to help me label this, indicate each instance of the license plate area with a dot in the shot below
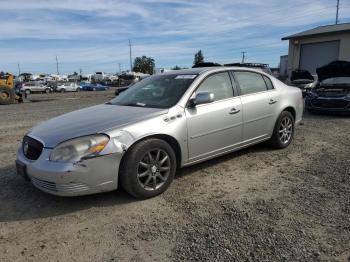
(21, 169)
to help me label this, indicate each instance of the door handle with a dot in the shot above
(234, 111)
(272, 102)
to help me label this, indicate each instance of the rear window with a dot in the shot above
(250, 82)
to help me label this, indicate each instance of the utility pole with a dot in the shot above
(120, 67)
(57, 66)
(80, 71)
(243, 56)
(130, 55)
(336, 18)
(19, 69)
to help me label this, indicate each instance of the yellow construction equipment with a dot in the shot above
(7, 90)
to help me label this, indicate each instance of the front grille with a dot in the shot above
(330, 103)
(31, 148)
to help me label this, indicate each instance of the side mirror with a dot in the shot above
(201, 98)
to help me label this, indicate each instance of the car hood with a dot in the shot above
(91, 120)
(333, 70)
(301, 75)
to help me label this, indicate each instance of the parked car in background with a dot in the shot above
(332, 92)
(303, 80)
(95, 87)
(167, 121)
(54, 83)
(68, 87)
(257, 66)
(35, 87)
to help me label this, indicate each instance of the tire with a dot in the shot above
(47, 91)
(78, 89)
(7, 95)
(27, 91)
(283, 131)
(62, 90)
(94, 89)
(138, 172)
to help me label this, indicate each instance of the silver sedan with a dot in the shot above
(140, 138)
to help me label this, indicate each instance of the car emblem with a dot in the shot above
(25, 147)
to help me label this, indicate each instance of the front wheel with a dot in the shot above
(148, 168)
(284, 131)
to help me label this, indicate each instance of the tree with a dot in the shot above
(144, 65)
(178, 68)
(198, 58)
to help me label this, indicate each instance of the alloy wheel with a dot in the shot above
(285, 130)
(153, 169)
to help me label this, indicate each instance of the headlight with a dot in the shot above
(79, 148)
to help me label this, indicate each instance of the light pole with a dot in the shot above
(337, 16)
(130, 55)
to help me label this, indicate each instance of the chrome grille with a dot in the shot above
(70, 187)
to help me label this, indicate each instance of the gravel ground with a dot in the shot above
(257, 204)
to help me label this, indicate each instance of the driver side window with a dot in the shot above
(218, 84)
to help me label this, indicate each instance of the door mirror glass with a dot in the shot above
(202, 98)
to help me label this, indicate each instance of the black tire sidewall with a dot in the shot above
(128, 171)
(275, 139)
(10, 93)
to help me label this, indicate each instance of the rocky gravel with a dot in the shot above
(258, 204)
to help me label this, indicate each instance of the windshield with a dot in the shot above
(160, 91)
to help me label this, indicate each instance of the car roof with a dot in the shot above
(201, 70)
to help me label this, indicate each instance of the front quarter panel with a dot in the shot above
(172, 124)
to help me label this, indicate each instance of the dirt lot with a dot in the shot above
(258, 204)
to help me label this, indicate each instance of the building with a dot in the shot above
(316, 47)
(283, 66)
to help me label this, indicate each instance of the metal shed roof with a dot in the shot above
(321, 30)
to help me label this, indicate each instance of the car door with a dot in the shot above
(36, 87)
(214, 127)
(259, 100)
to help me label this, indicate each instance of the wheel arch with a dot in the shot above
(175, 145)
(291, 110)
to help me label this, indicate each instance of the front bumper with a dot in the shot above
(90, 176)
(328, 104)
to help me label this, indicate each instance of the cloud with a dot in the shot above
(95, 33)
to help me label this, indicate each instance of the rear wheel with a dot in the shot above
(284, 131)
(7, 95)
(62, 90)
(27, 91)
(47, 90)
(148, 168)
